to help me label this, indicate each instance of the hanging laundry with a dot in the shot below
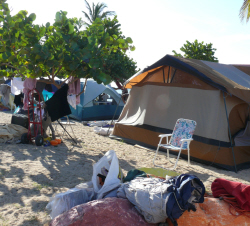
(29, 84)
(58, 105)
(72, 100)
(5, 92)
(18, 100)
(75, 88)
(16, 86)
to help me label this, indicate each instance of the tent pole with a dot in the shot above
(168, 73)
(115, 113)
(229, 132)
(173, 76)
(163, 75)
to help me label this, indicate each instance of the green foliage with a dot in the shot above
(61, 49)
(118, 65)
(197, 50)
(97, 11)
(245, 10)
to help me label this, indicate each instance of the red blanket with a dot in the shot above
(241, 192)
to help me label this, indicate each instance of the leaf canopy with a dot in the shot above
(60, 49)
(197, 50)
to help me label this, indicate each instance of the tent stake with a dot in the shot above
(229, 132)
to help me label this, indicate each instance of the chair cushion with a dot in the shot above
(184, 129)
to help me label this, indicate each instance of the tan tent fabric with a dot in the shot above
(220, 156)
(11, 132)
(232, 87)
(161, 106)
(216, 96)
(238, 117)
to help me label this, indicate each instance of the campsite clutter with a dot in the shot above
(104, 127)
(156, 198)
(151, 195)
(37, 107)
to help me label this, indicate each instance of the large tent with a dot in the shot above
(89, 109)
(216, 96)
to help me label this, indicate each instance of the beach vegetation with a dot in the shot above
(197, 50)
(62, 49)
(245, 10)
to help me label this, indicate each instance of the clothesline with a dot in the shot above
(19, 87)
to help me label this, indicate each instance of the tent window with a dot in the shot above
(173, 75)
(182, 77)
(156, 76)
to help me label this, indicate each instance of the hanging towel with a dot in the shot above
(72, 100)
(29, 84)
(75, 88)
(16, 86)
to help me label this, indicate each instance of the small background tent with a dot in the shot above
(216, 96)
(89, 109)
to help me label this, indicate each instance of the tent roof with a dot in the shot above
(233, 79)
(93, 89)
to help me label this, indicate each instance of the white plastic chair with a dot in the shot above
(180, 139)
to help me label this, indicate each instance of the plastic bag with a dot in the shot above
(103, 131)
(65, 201)
(108, 166)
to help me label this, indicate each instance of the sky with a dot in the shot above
(160, 26)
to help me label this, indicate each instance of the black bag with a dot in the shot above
(21, 120)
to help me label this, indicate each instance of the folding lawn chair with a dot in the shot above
(180, 139)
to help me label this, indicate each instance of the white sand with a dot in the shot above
(30, 175)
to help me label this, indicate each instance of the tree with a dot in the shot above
(61, 49)
(97, 11)
(118, 65)
(197, 50)
(245, 10)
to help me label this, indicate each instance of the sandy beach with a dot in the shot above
(30, 175)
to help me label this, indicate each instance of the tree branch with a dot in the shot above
(83, 88)
(72, 81)
(59, 69)
(65, 81)
(51, 82)
(7, 64)
(53, 74)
